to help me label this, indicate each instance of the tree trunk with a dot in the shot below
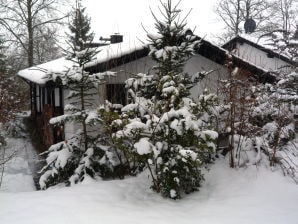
(30, 53)
(84, 119)
(237, 18)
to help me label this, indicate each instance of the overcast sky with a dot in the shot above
(126, 16)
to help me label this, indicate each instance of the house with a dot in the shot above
(260, 52)
(48, 98)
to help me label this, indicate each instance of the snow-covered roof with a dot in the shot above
(38, 74)
(219, 54)
(267, 42)
(264, 43)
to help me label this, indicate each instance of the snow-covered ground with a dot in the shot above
(17, 174)
(251, 195)
(247, 195)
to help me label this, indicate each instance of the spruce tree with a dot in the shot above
(163, 127)
(80, 28)
(178, 133)
(75, 158)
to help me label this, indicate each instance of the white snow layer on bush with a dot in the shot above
(92, 117)
(212, 134)
(141, 105)
(132, 127)
(188, 153)
(59, 157)
(143, 146)
(59, 119)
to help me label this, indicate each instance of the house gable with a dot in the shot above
(252, 50)
(224, 57)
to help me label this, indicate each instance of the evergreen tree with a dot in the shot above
(79, 27)
(162, 128)
(72, 160)
(10, 94)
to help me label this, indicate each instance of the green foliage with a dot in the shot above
(162, 128)
(119, 157)
(179, 172)
(80, 27)
(78, 157)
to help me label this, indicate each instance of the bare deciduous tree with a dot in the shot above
(285, 13)
(234, 12)
(23, 18)
(46, 47)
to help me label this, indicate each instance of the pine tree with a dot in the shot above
(164, 129)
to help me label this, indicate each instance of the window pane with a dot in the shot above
(57, 97)
(116, 93)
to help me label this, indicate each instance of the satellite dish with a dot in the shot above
(188, 32)
(250, 26)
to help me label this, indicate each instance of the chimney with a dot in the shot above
(114, 38)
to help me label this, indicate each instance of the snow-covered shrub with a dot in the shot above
(162, 128)
(275, 114)
(16, 127)
(238, 104)
(118, 159)
(69, 163)
(261, 122)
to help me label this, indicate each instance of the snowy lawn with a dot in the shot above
(252, 195)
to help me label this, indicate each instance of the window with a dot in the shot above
(38, 99)
(45, 96)
(57, 97)
(116, 94)
(270, 55)
(49, 96)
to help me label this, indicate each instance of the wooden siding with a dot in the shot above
(50, 106)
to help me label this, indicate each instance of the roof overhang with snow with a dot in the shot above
(109, 56)
(114, 55)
